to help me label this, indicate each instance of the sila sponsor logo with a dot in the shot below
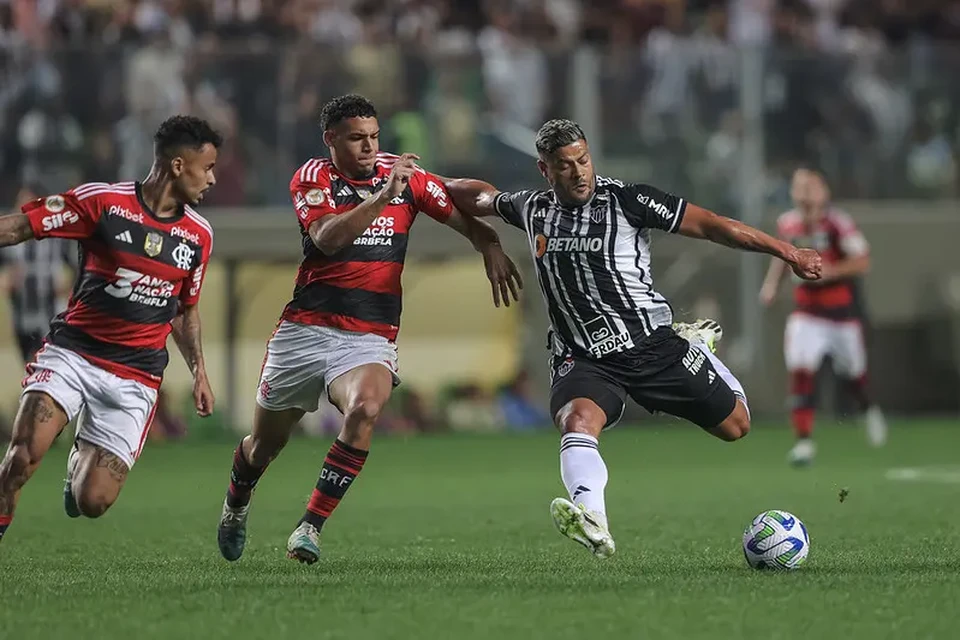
(582, 244)
(380, 232)
(59, 220)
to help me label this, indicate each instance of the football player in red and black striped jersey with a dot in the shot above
(337, 334)
(144, 251)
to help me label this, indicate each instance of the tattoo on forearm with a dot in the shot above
(186, 333)
(109, 461)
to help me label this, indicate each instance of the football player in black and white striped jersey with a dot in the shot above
(612, 333)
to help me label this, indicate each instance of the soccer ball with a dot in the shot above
(776, 540)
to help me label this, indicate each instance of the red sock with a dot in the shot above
(4, 523)
(340, 468)
(802, 422)
(860, 391)
(802, 394)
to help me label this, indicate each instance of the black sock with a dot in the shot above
(340, 468)
(243, 479)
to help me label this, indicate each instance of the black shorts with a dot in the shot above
(663, 373)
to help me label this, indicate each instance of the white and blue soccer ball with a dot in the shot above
(776, 540)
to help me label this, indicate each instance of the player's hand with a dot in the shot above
(502, 273)
(400, 175)
(807, 264)
(203, 395)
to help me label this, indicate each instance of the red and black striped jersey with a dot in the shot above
(136, 272)
(358, 288)
(836, 237)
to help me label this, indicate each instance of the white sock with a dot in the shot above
(725, 374)
(583, 472)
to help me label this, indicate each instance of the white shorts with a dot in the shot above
(809, 339)
(114, 413)
(303, 360)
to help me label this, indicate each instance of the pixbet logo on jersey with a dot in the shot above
(125, 213)
(380, 232)
(59, 220)
(584, 244)
(186, 234)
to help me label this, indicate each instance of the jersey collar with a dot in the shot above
(181, 209)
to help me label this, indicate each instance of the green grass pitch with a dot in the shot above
(450, 537)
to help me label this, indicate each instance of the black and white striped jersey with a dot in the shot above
(593, 261)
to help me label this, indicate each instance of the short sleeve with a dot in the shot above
(190, 294)
(510, 206)
(851, 239)
(312, 198)
(648, 207)
(72, 215)
(431, 197)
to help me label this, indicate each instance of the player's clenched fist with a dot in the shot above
(400, 175)
(807, 264)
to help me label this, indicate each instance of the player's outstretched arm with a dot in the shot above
(14, 229)
(473, 197)
(333, 233)
(185, 329)
(701, 223)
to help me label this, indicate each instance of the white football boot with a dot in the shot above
(802, 453)
(304, 543)
(707, 331)
(585, 527)
(876, 426)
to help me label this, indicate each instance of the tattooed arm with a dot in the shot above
(186, 333)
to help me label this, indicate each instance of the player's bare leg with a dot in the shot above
(360, 395)
(96, 477)
(705, 334)
(271, 431)
(39, 420)
(583, 518)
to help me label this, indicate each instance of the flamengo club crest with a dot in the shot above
(183, 256)
(153, 244)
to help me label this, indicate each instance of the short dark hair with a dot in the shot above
(558, 133)
(183, 131)
(348, 106)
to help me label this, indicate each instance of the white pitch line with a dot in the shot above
(941, 474)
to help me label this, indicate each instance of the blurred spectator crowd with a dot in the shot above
(865, 89)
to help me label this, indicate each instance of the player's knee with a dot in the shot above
(575, 418)
(94, 502)
(363, 411)
(736, 426)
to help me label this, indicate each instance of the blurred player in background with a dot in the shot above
(144, 252)
(826, 320)
(36, 277)
(337, 334)
(612, 333)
